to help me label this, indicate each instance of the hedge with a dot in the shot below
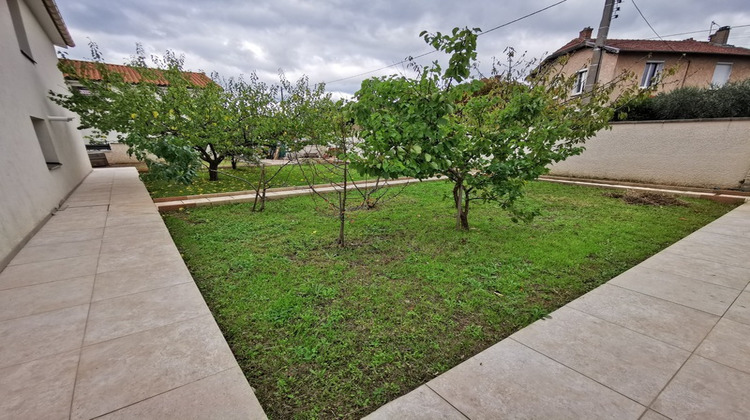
(729, 101)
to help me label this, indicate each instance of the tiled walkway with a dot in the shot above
(669, 338)
(99, 317)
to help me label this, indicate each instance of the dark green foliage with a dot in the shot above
(730, 101)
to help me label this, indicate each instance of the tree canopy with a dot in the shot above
(166, 119)
(489, 136)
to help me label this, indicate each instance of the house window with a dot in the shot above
(721, 74)
(23, 40)
(45, 143)
(580, 84)
(651, 73)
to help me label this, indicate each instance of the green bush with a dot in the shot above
(728, 101)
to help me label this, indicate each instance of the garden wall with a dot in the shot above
(697, 153)
(119, 155)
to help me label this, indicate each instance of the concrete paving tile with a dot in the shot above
(422, 403)
(129, 314)
(708, 271)
(138, 257)
(60, 224)
(510, 380)
(132, 209)
(30, 254)
(116, 373)
(100, 202)
(137, 229)
(718, 239)
(669, 322)
(692, 293)
(717, 252)
(40, 389)
(703, 389)
(128, 243)
(740, 309)
(653, 415)
(729, 344)
(36, 336)
(28, 300)
(225, 395)
(632, 364)
(48, 238)
(133, 219)
(47, 271)
(133, 280)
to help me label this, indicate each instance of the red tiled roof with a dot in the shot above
(690, 46)
(89, 70)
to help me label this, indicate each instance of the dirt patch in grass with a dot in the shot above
(646, 198)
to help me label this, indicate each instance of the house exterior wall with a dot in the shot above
(696, 153)
(29, 191)
(695, 70)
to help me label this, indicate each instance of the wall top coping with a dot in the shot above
(681, 121)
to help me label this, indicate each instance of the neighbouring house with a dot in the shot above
(42, 156)
(696, 63)
(108, 150)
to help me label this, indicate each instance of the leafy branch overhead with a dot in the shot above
(488, 136)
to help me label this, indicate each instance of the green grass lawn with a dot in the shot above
(290, 175)
(323, 332)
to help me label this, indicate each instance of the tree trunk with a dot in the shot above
(461, 201)
(213, 170)
(342, 207)
(260, 192)
(234, 162)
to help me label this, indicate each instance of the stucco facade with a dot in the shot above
(30, 190)
(686, 63)
(694, 153)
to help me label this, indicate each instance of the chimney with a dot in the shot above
(721, 36)
(586, 33)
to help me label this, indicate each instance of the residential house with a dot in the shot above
(116, 153)
(42, 156)
(695, 63)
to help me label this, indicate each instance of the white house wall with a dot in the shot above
(29, 191)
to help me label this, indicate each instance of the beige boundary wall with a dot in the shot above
(697, 153)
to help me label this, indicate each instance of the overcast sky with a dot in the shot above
(334, 39)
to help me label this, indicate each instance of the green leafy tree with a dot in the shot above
(166, 119)
(489, 137)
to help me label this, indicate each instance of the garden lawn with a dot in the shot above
(290, 175)
(323, 332)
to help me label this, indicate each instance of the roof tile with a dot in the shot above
(89, 70)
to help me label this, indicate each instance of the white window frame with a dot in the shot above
(721, 64)
(651, 73)
(580, 83)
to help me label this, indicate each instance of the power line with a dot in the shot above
(695, 32)
(522, 17)
(410, 58)
(649, 25)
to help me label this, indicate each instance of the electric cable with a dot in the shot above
(410, 58)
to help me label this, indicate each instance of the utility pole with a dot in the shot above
(601, 37)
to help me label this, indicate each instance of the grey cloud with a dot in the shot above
(328, 40)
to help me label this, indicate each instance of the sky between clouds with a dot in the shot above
(334, 39)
